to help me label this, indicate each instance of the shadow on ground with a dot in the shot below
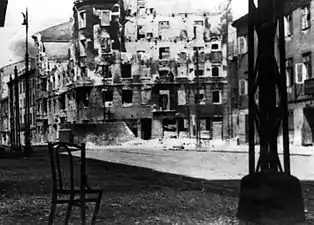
(132, 195)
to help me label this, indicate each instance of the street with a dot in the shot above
(207, 165)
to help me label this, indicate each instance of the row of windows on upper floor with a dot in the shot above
(164, 99)
(305, 20)
(296, 73)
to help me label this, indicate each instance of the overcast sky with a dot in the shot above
(46, 13)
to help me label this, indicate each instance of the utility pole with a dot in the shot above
(197, 99)
(27, 96)
(12, 124)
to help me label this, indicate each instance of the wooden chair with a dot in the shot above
(65, 190)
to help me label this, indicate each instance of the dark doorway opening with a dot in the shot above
(146, 129)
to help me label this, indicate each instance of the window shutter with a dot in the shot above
(300, 71)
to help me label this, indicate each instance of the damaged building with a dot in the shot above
(111, 64)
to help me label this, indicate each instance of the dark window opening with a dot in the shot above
(164, 53)
(198, 48)
(215, 46)
(127, 96)
(45, 104)
(163, 73)
(199, 72)
(86, 100)
(126, 71)
(62, 101)
(215, 71)
(107, 96)
(216, 96)
(290, 71)
(198, 98)
(140, 32)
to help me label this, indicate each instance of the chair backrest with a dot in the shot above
(63, 170)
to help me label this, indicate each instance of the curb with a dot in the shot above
(246, 152)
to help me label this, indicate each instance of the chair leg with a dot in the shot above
(52, 211)
(96, 209)
(67, 217)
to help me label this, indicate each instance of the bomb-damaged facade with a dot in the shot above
(137, 67)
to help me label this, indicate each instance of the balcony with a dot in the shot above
(309, 86)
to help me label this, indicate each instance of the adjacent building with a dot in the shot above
(299, 32)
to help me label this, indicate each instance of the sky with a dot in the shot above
(46, 13)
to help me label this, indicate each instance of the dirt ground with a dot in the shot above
(132, 195)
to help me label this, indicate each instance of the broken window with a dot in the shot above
(127, 96)
(82, 19)
(107, 96)
(306, 17)
(199, 72)
(126, 70)
(289, 23)
(164, 52)
(216, 97)
(200, 97)
(199, 22)
(214, 46)
(216, 57)
(44, 84)
(140, 32)
(105, 44)
(215, 71)
(86, 100)
(164, 99)
(105, 18)
(163, 25)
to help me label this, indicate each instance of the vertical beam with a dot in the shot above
(251, 92)
(284, 101)
(12, 123)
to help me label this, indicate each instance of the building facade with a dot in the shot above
(299, 61)
(134, 67)
(154, 72)
(13, 103)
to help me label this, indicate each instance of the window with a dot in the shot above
(307, 60)
(86, 100)
(82, 19)
(199, 22)
(216, 57)
(306, 17)
(181, 97)
(126, 70)
(215, 46)
(164, 25)
(199, 72)
(107, 96)
(127, 97)
(215, 71)
(289, 25)
(200, 97)
(289, 70)
(164, 99)
(164, 53)
(62, 102)
(242, 87)
(216, 97)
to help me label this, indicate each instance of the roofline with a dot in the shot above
(16, 62)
